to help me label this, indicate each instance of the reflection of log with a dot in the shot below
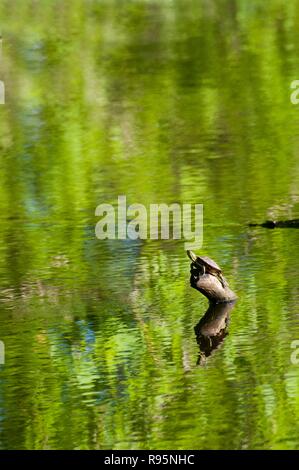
(210, 286)
(212, 328)
(278, 224)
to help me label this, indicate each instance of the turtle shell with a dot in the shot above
(204, 260)
(208, 262)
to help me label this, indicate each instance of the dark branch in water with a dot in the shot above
(278, 224)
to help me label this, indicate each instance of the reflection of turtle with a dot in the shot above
(208, 266)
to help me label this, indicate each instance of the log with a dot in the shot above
(210, 286)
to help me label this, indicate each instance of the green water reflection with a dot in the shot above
(163, 101)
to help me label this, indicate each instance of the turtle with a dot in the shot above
(208, 265)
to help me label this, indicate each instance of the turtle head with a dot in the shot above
(196, 269)
(192, 255)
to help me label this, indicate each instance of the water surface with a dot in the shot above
(163, 101)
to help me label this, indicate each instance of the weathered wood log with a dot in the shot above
(211, 286)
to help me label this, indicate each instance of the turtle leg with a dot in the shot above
(222, 280)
